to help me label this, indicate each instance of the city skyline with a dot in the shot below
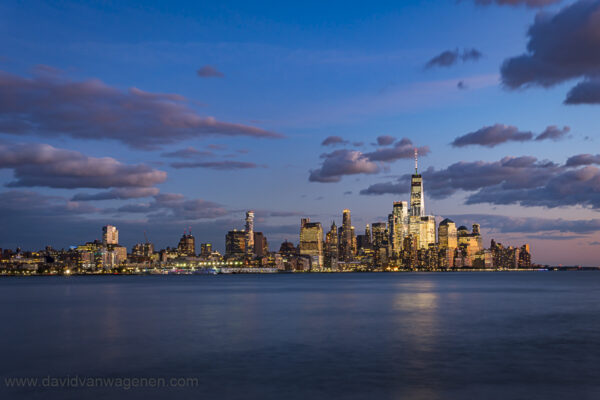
(410, 241)
(162, 118)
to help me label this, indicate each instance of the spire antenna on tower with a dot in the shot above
(416, 159)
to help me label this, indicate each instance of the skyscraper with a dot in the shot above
(311, 242)
(417, 198)
(346, 237)
(187, 245)
(249, 240)
(261, 248)
(398, 222)
(331, 247)
(235, 243)
(447, 234)
(110, 235)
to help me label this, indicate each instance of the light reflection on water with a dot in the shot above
(347, 336)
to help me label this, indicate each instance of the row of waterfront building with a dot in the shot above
(409, 240)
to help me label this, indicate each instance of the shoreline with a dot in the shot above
(276, 272)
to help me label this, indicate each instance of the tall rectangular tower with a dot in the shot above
(249, 240)
(346, 237)
(398, 225)
(417, 198)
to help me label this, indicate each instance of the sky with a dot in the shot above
(161, 116)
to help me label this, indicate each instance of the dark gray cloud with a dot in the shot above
(55, 106)
(450, 57)
(208, 71)
(36, 164)
(217, 165)
(334, 141)
(528, 3)
(553, 133)
(118, 194)
(512, 180)
(583, 159)
(351, 162)
(175, 206)
(401, 150)
(342, 162)
(586, 92)
(568, 188)
(490, 136)
(385, 140)
(561, 46)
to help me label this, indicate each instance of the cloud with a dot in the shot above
(553, 133)
(208, 71)
(218, 165)
(91, 109)
(342, 162)
(36, 164)
(462, 85)
(528, 3)
(583, 159)
(118, 194)
(188, 152)
(175, 206)
(402, 149)
(450, 57)
(385, 140)
(32, 220)
(506, 224)
(511, 180)
(34, 204)
(562, 46)
(334, 141)
(491, 136)
(586, 92)
(351, 162)
(569, 188)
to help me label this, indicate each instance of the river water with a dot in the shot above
(466, 335)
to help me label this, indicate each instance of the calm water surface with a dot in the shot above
(526, 335)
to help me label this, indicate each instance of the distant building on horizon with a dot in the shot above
(187, 245)
(110, 235)
(311, 242)
(235, 243)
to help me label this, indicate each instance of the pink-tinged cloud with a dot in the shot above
(36, 164)
(54, 106)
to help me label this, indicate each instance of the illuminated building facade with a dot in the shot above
(249, 239)
(346, 239)
(311, 242)
(235, 243)
(110, 235)
(187, 245)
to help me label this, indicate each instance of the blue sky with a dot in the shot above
(304, 71)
